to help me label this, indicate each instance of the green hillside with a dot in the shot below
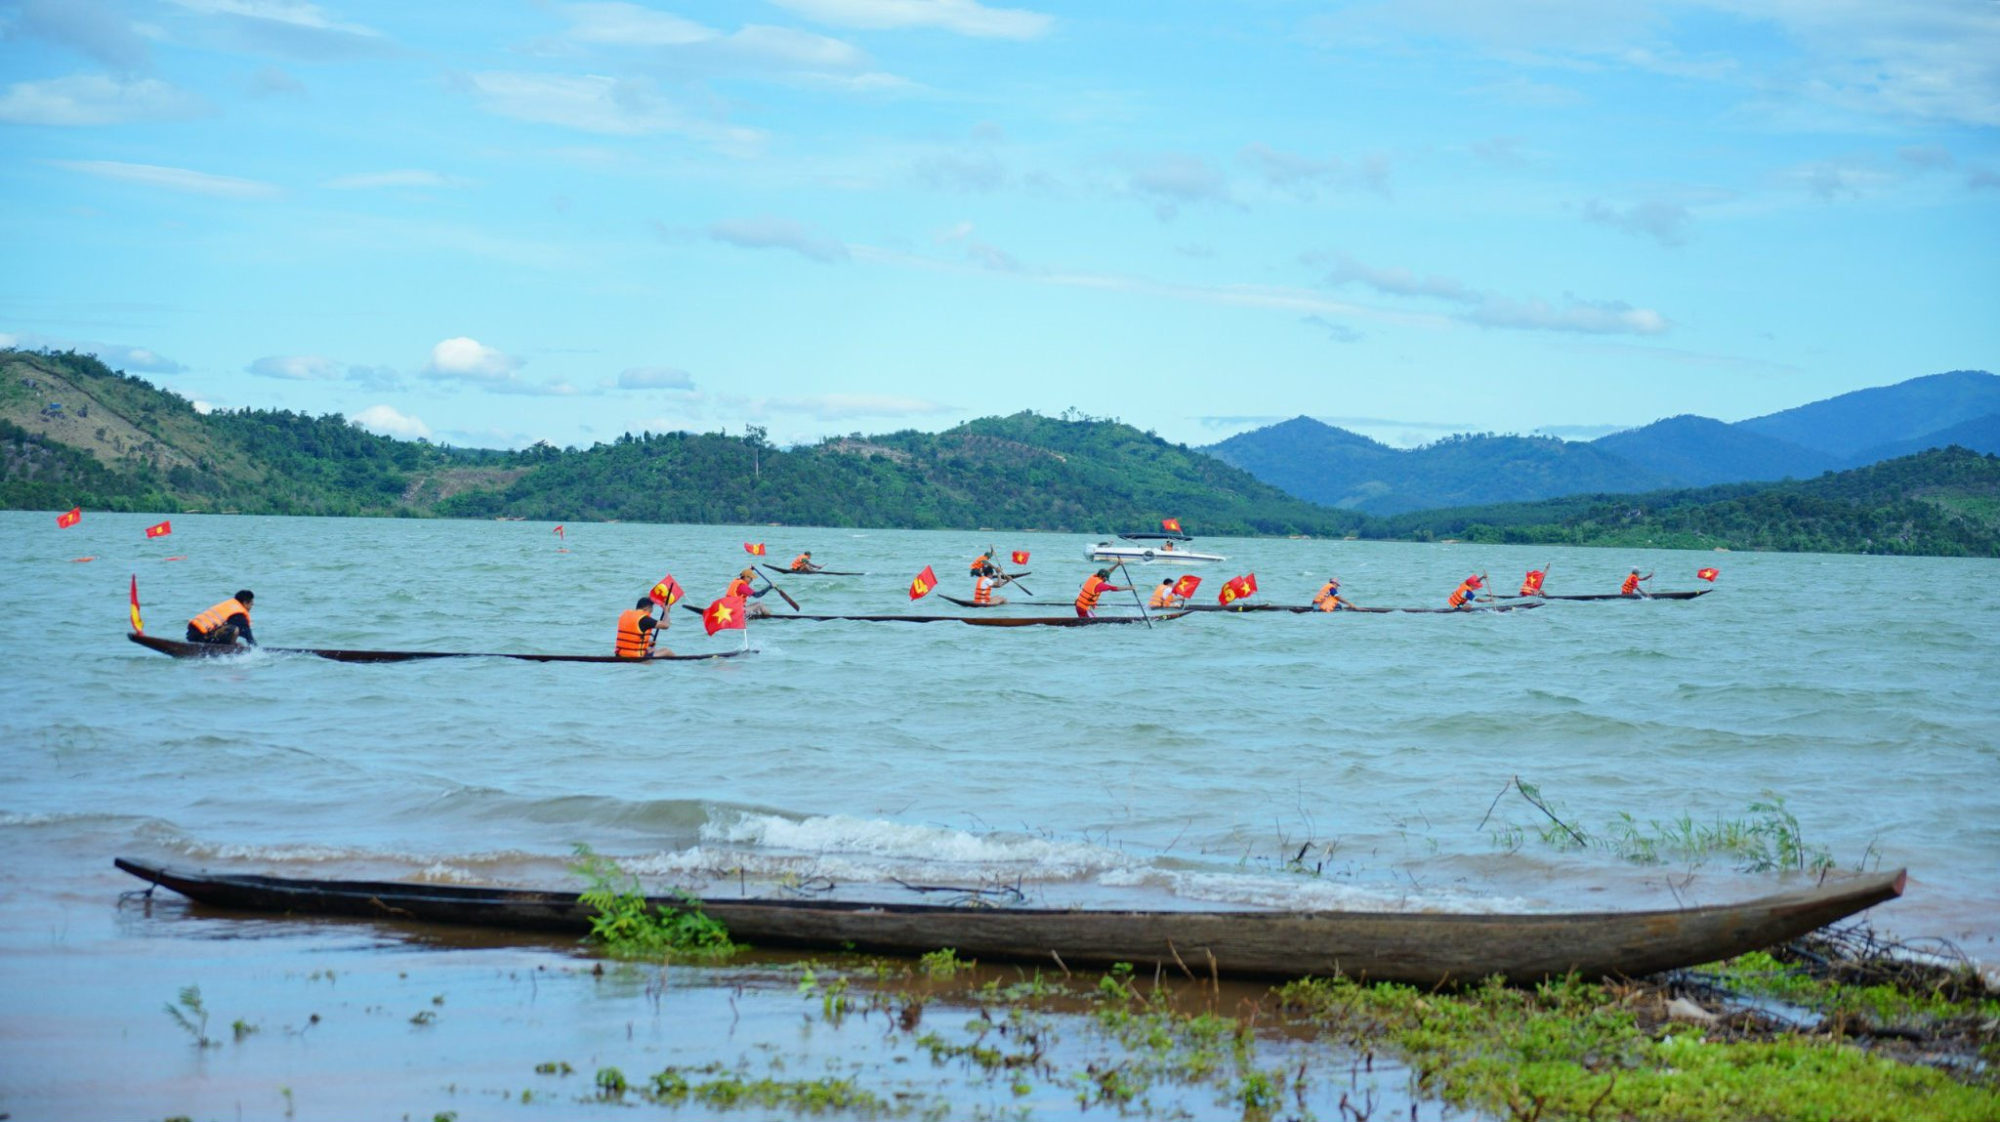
(1943, 502)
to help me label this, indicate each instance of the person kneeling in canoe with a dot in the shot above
(1631, 585)
(1094, 585)
(1163, 596)
(803, 563)
(638, 631)
(225, 623)
(1327, 599)
(1461, 597)
(743, 590)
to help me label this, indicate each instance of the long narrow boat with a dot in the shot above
(812, 572)
(977, 621)
(996, 602)
(1688, 595)
(1416, 948)
(178, 649)
(1302, 609)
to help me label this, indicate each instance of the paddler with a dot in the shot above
(1094, 585)
(1461, 596)
(742, 589)
(982, 588)
(637, 631)
(803, 563)
(1531, 584)
(1327, 599)
(225, 623)
(983, 564)
(1163, 597)
(1631, 585)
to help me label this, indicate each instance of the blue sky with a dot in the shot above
(497, 222)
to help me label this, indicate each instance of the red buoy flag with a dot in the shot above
(754, 549)
(1020, 556)
(922, 583)
(1708, 575)
(1171, 525)
(1185, 586)
(70, 517)
(137, 624)
(726, 614)
(160, 531)
(667, 592)
(559, 532)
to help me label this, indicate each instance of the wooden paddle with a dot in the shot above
(1134, 590)
(781, 592)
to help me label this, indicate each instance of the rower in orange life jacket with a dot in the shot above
(982, 589)
(803, 563)
(1327, 599)
(744, 591)
(1631, 585)
(1163, 596)
(1462, 595)
(1531, 585)
(984, 563)
(225, 623)
(1094, 585)
(637, 631)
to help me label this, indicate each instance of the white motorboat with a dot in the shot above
(1146, 549)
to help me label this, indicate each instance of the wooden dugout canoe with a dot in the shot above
(812, 572)
(1303, 609)
(1688, 595)
(178, 649)
(977, 621)
(1414, 948)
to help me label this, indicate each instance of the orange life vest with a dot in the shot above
(632, 642)
(800, 562)
(1093, 587)
(1531, 585)
(1460, 595)
(215, 617)
(1631, 584)
(1327, 600)
(982, 591)
(740, 589)
(980, 562)
(1163, 597)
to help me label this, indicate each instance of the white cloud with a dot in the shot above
(837, 406)
(654, 378)
(1589, 317)
(93, 27)
(118, 356)
(1175, 179)
(174, 179)
(297, 368)
(1664, 222)
(94, 99)
(469, 360)
(600, 104)
(409, 177)
(629, 25)
(778, 233)
(1303, 175)
(292, 27)
(385, 421)
(962, 17)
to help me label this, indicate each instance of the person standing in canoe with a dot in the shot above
(1327, 599)
(637, 631)
(1631, 585)
(1164, 598)
(1461, 597)
(225, 623)
(803, 563)
(1531, 584)
(1094, 585)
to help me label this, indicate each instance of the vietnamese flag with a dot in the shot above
(922, 583)
(70, 518)
(160, 531)
(1171, 525)
(726, 614)
(1185, 586)
(1020, 556)
(1708, 575)
(754, 549)
(1249, 583)
(559, 532)
(137, 625)
(667, 592)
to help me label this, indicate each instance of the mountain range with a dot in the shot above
(1334, 467)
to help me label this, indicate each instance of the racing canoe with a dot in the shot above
(178, 649)
(812, 572)
(1689, 595)
(1415, 948)
(1301, 609)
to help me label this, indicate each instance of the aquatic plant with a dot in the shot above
(192, 1016)
(627, 925)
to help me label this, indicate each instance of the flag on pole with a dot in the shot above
(1185, 586)
(137, 624)
(726, 614)
(1249, 583)
(922, 583)
(1020, 556)
(1236, 588)
(1171, 525)
(70, 517)
(667, 592)
(160, 531)
(754, 549)
(1708, 575)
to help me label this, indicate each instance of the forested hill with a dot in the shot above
(73, 432)
(1941, 502)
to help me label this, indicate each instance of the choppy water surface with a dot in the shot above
(1182, 766)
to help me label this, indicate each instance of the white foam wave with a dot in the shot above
(1291, 893)
(836, 837)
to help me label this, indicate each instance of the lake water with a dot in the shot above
(1186, 765)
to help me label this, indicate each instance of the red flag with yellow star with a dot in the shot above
(70, 517)
(1708, 575)
(754, 549)
(1171, 525)
(137, 624)
(922, 583)
(160, 531)
(667, 592)
(1020, 557)
(726, 614)
(1185, 586)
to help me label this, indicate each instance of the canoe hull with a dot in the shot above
(176, 649)
(1417, 949)
(1688, 595)
(812, 573)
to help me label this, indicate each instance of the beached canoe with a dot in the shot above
(1689, 595)
(178, 649)
(812, 573)
(1417, 948)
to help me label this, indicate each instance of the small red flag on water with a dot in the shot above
(1020, 556)
(726, 614)
(559, 532)
(160, 531)
(70, 517)
(1185, 586)
(754, 549)
(922, 583)
(137, 624)
(1708, 575)
(667, 592)
(1171, 525)
(1237, 588)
